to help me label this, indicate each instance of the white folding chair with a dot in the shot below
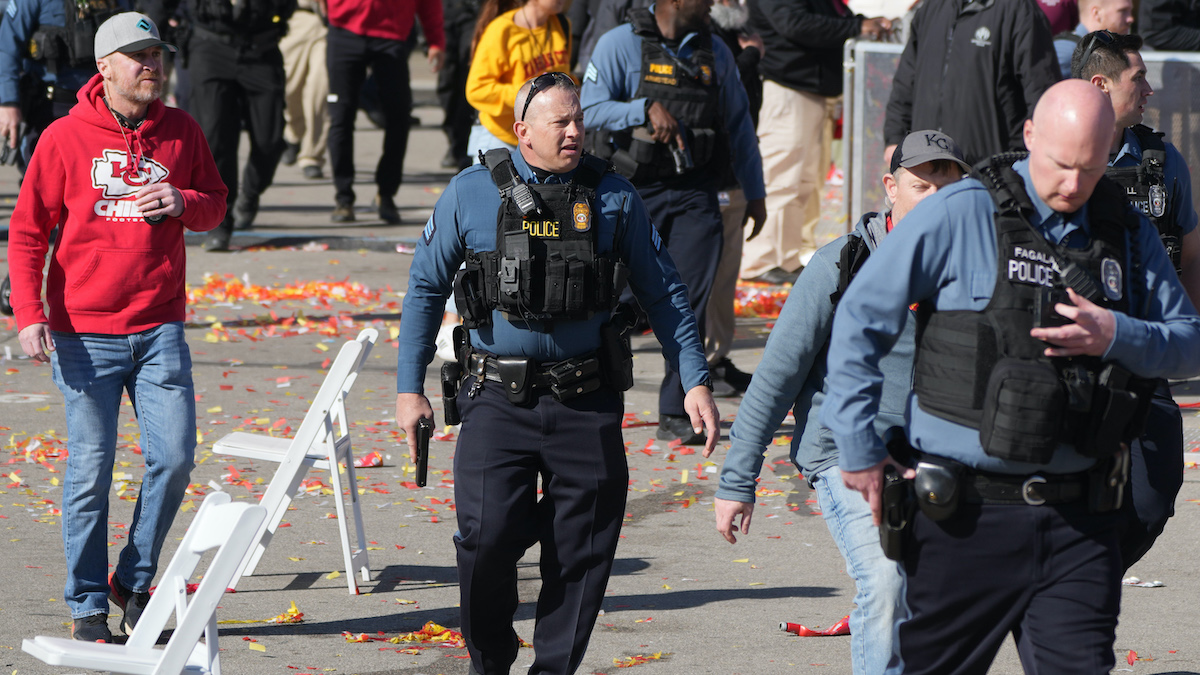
(219, 524)
(321, 442)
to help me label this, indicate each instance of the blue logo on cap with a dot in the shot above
(144, 25)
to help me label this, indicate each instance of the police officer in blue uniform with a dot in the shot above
(1045, 300)
(664, 101)
(1156, 179)
(544, 366)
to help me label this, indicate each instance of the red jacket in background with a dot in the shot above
(111, 272)
(391, 19)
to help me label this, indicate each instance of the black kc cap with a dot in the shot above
(926, 146)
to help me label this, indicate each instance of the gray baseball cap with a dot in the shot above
(128, 32)
(926, 146)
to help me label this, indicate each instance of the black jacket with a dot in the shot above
(1170, 24)
(803, 41)
(973, 72)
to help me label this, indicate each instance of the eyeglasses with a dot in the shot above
(1100, 37)
(543, 82)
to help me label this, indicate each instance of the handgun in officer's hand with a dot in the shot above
(424, 433)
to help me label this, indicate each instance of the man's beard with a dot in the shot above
(139, 94)
(728, 17)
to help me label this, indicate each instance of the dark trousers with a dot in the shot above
(577, 451)
(452, 78)
(232, 87)
(1155, 476)
(1050, 575)
(347, 56)
(689, 222)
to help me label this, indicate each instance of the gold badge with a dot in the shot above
(582, 216)
(706, 75)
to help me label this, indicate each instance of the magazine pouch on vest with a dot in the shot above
(1146, 187)
(688, 89)
(72, 44)
(984, 370)
(546, 265)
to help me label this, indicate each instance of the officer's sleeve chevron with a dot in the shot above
(430, 228)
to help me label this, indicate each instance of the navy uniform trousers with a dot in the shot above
(689, 221)
(577, 450)
(1050, 575)
(1155, 476)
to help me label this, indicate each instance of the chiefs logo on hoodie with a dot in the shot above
(109, 175)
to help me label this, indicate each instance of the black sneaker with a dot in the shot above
(245, 210)
(678, 427)
(6, 297)
(290, 153)
(313, 172)
(387, 210)
(777, 276)
(217, 241)
(725, 371)
(342, 213)
(92, 628)
(132, 604)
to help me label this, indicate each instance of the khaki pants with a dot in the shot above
(305, 114)
(720, 320)
(795, 129)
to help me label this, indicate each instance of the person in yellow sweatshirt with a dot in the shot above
(514, 42)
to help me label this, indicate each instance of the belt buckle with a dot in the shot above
(1026, 491)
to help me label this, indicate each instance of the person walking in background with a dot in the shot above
(458, 19)
(802, 73)
(122, 177)
(374, 33)
(236, 79)
(514, 41)
(306, 118)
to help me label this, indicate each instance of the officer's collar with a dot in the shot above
(679, 43)
(1058, 225)
(1129, 147)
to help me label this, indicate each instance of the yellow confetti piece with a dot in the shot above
(255, 647)
(262, 420)
(199, 436)
(742, 560)
(43, 409)
(54, 481)
(666, 587)
(394, 332)
(757, 583)
(333, 575)
(295, 559)
(214, 409)
(683, 477)
(322, 346)
(402, 601)
(187, 506)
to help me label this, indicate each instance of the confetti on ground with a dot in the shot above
(1134, 581)
(430, 633)
(757, 300)
(292, 615)
(369, 460)
(631, 661)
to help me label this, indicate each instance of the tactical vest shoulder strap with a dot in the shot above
(1154, 153)
(504, 173)
(643, 22)
(591, 171)
(854, 253)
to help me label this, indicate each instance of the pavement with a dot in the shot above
(263, 323)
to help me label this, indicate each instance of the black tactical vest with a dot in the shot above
(546, 266)
(1146, 187)
(72, 45)
(984, 371)
(690, 92)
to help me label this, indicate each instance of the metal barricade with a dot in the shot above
(868, 70)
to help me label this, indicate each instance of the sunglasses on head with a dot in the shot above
(543, 82)
(1100, 37)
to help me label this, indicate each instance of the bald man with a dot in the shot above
(1114, 16)
(1025, 395)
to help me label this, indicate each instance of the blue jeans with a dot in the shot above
(155, 367)
(879, 582)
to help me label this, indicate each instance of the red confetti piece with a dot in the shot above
(842, 627)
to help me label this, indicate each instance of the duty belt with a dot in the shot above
(1035, 490)
(522, 377)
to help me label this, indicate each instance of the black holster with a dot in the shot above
(616, 357)
(898, 507)
(1106, 482)
(452, 374)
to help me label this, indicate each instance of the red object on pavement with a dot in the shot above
(842, 627)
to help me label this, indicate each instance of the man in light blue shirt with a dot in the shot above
(1016, 531)
(1115, 16)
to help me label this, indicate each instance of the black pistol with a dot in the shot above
(424, 433)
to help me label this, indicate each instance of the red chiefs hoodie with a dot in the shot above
(110, 272)
(391, 19)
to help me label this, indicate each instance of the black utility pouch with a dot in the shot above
(897, 513)
(515, 375)
(1120, 403)
(616, 358)
(468, 295)
(574, 378)
(938, 488)
(1022, 411)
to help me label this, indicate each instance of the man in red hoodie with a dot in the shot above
(121, 176)
(374, 33)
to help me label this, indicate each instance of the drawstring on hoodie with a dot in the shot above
(132, 160)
